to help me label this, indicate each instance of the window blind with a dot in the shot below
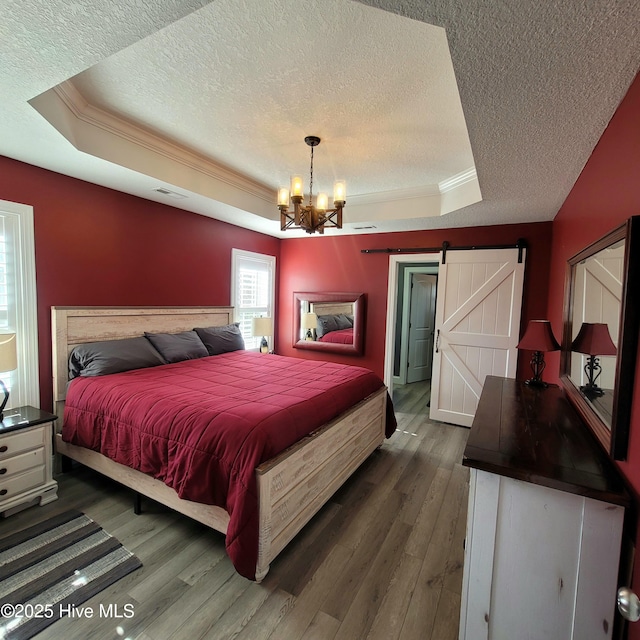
(253, 276)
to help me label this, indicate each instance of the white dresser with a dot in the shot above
(26, 459)
(544, 525)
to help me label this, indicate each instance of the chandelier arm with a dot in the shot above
(296, 212)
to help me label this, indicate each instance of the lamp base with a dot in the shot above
(592, 391)
(537, 367)
(4, 401)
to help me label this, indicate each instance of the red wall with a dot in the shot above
(337, 264)
(96, 246)
(605, 195)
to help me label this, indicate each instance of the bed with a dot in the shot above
(290, 486)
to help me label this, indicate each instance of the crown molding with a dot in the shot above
(137, 135)
(382, 197)
(458, 180)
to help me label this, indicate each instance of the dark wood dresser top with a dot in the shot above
(535, 435)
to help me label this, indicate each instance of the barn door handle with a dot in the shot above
(437, 340)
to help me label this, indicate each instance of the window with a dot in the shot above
(18, 308)
(252, 291)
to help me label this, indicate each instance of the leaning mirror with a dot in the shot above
(600, 337)
(329, 321)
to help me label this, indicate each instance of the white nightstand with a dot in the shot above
(26, 459)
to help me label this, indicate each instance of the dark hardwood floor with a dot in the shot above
(382, 560)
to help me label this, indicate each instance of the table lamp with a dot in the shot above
(594, 340)
(262, 327)
(8, 362)
(538, 338)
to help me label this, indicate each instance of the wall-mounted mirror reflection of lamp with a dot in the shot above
(594, 340)
(602, 287)
(309, 322)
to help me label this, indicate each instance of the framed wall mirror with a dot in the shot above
(329, 321)
(600, 334)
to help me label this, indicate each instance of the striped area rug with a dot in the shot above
(47, 569)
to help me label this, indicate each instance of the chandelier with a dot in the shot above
(308, 217)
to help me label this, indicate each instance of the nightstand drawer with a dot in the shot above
(20, 441)
(22, 482)
(21, 462)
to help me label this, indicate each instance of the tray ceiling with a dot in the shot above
(448, 115)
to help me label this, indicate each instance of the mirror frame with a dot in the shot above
(358, 299)
(616, 439)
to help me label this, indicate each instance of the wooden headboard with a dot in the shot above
(331, 308)
(71, 326)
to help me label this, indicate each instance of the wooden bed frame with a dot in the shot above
(292, 487)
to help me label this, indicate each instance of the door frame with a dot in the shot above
(392, 302)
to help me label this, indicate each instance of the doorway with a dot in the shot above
(414, 321)
(409, 357)
(477, 321)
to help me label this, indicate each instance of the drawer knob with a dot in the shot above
(3, 471)
(4, 448)
(3, 492)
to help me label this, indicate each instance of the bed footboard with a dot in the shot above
(293, 486)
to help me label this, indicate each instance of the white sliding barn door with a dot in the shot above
(477, 328)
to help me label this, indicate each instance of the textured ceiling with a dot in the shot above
(377, 88)
(197, 89)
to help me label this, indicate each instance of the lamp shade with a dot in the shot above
(262, 327)
(538, 337)
(8, 355)
(309, 321)
(594, 339)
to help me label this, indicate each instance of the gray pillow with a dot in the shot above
(343, 321)
(112, 356)
(326, 324)
(175, 347)
(219, 340)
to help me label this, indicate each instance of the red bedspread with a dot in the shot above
(341, 336)
(203, 426)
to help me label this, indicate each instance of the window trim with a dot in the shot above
(26, 328)
(236, 256)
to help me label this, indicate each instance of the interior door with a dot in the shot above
(477, 327)
(421, 328)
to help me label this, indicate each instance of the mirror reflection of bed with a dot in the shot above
(329, 321)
